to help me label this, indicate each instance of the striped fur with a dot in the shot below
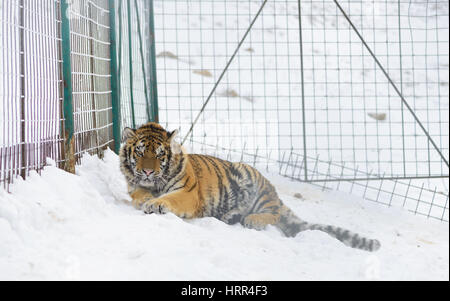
(162, 178)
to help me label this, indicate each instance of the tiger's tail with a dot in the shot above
(290, 225)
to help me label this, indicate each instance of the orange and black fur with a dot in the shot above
(162, 178)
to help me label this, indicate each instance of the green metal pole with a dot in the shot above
(130, 53)
(152, 62)
(141, 51)
(115, 83)
(67, 79)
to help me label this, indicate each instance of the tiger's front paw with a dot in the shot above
(137, 203)
(155, 206)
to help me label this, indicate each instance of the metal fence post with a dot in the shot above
(130, 53)
(303, 90)
(115, 99)
(92, 66)
(23, 165)
(69, 156)
(152, 62)
(141, 52)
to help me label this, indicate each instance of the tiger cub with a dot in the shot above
(162, 178)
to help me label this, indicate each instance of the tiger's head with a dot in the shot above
(149, 155)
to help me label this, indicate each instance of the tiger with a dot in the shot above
(162, 178)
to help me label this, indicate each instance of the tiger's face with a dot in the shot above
(147, 160)
(147, 153)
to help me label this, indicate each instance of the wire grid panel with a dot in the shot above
(425, 198)
(419, 196)
(30, 86)
(257, 105)
(134, 66)
(91, 75)
(352, 114)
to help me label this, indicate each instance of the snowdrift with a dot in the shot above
(60, 226)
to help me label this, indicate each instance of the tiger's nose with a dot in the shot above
(148, 171)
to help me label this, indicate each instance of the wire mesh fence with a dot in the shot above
(304, 81)
(136, 71)
(30, 87)
(56, 79)
(134, 68)
(421, 197)
(91, 76)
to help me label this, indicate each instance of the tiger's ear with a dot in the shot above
(175, 147)
(128, 133)
(171, 135)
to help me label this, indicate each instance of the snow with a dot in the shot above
(60, 226)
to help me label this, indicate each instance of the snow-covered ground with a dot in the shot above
(62, 226)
